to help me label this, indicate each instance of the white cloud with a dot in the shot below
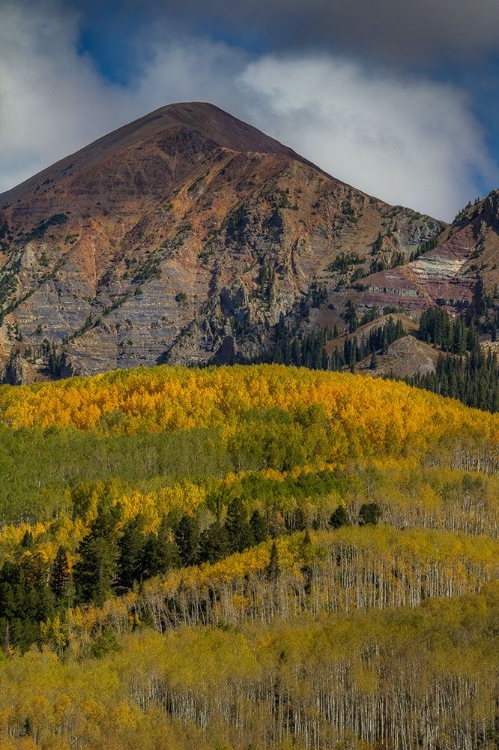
(52, 100)
(408, 141)
(191, 69)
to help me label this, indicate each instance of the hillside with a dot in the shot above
(230, 556)
(466, 255)
(183, 237)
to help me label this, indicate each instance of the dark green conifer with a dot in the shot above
(131, 553)
(237, 526)
(61, 582)
(187, 539)
(273, 569)
(339, 517)
(369, 513)
(167, 549)
(258, 527)
(214, 543)
(27, 541)
(95, 571)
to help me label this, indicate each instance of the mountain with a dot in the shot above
(187, 236)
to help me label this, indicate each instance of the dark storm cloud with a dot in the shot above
(408, 32)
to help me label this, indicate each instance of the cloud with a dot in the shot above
(415, 32)
(51, 99)
(407, 140)
(190, 69)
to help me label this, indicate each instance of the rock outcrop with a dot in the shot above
(465, 261)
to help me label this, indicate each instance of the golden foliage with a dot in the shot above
(367, 414)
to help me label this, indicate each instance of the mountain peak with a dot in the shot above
(213, 125)
(224, 129)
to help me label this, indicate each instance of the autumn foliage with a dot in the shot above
(241, 557)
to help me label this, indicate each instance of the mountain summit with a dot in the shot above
(186, 236)
(214, 127)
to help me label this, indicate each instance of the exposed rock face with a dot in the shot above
(405, 357)
(16, 371)
(185, 236)
(466, 258)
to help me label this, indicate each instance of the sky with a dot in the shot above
(399, 99)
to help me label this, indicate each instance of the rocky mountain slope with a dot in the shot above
(187, 236)
(465, 260)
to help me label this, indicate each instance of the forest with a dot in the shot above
(466, 369)
(247, 557)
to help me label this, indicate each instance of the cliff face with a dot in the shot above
(184, 237)
(465, 259)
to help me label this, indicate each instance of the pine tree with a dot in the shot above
(95, 571)
(187, 539)
(104, 644)
(273, 569)
(237, 526)
(350, 316)
(300, 521)
(258, 527)
(214, 543)
(369, 513)
(339, 517)
(167, 549)
(27, 541)
(61, 582)
(131, 553)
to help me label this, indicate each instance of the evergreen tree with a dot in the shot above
(350, 316)
(237, 526)
(105, 643)
(300, 521)
(339, 517)
(214, 543)
(131, 553)
(258, 527)
(167, 549)
(61, 582)
(307, 542)
(27, 541)
(36, 600)
(187, 539)
(273, 569)
(369, 513)
(95, 571)
(25, 601)
(150, 556)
